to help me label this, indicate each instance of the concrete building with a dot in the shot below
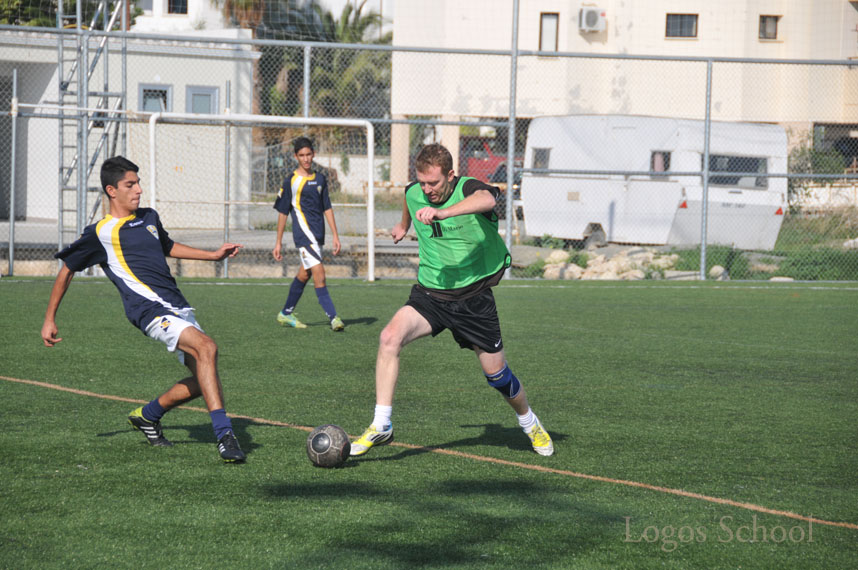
(458, 86)
(161, 75)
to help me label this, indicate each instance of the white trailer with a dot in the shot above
(744, 211)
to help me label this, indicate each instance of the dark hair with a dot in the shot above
(302, 142)
(114, 169)
(434, 154)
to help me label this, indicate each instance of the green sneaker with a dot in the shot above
(290, 321)
(337, 324)
(152, 430)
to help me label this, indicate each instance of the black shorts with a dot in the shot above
(473, 321)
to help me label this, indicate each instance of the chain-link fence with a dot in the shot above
(635, 167)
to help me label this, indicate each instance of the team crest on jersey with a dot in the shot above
(152, 230)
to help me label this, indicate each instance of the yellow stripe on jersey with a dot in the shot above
(298, 183)
(100, 225)
(117, 249)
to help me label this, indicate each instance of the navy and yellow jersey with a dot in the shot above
(132, 252)
(307, 198)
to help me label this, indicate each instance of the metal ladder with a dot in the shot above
(79, 144)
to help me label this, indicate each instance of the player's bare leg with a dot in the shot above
(203, 351)
(201, 358)
(406, 326)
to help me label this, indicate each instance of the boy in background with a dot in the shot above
(305, 196)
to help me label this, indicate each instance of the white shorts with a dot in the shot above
(168, 329)
(311, 255)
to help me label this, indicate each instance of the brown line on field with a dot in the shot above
(442, 451)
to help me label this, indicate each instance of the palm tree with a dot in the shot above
(350, 82)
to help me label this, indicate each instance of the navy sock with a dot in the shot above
(295, 292)
(220, 422)
(326, 302)
(153, 411)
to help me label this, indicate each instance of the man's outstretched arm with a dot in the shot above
(61, 285)
(182, 251)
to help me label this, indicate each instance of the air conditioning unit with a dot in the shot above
(591, 19)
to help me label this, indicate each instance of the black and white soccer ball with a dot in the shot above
(328, 446)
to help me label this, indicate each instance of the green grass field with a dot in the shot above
(742, 396)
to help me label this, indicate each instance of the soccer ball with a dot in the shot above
(328, 446)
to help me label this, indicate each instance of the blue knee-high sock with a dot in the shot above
(326, 302)
(153, 411)
(220, 422)
(295, 292)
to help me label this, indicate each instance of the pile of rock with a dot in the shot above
(630, 264)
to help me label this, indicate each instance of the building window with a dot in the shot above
(540, 157)
(769, 27)
(659, 161)
(742, 167)
(201, 100)
(681, 26)
(155, 98)
(177, 6)
(548, 22)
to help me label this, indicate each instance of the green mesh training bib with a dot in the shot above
(457, 251)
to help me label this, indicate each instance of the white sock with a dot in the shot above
(528, 420)
(382, 416)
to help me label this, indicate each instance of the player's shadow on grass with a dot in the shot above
(347, 322)
(200, 433)
(493, 434)
(316, 490)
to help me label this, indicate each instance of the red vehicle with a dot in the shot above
(477, 158)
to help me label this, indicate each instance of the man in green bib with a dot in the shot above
(462, 257)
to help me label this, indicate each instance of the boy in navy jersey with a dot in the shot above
(305, 195)
(131, 247)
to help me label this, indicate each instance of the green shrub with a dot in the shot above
(803, 229)
(822, 264)
(579, 258)
(727, 257)
(532, 270)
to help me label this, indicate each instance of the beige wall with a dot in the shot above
(478, 85)
(460, 85)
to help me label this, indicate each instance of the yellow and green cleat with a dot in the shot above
(371, 437)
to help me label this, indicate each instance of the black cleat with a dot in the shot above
(229, 450)
(152, 430)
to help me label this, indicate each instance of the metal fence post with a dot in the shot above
(704, 209)
(226, 174)
(510, 147)
(12, 175)
(307, 50)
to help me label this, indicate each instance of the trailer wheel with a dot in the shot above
(594, 236)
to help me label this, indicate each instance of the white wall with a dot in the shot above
(154, 62)
(202, 15)
(464, 85)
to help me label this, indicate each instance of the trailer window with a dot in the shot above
(659, 161)
(743, 167)
(540, 157)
